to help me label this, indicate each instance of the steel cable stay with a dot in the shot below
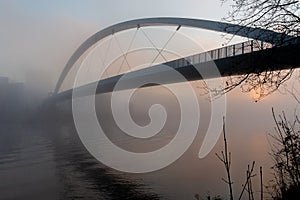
(148, 38)
(139, 49)
(127, 51)
(105, 56)
(123, 53)
(163, 48)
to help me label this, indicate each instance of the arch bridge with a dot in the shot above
(252, 56)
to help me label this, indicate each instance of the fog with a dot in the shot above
(36, 46)
(34, 50)
(248, 126)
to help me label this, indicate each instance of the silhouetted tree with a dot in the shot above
(286, 156)
(225, 158)
(277, 15)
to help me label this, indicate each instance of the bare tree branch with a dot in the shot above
(277, 15)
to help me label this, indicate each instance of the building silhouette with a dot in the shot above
(12, 100)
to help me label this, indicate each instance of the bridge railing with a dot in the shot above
(224, 52)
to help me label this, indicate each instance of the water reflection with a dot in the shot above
(83, 176)
(48, 162)
(27, 167)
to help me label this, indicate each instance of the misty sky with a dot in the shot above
(37, 37)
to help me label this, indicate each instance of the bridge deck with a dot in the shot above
(237, 62)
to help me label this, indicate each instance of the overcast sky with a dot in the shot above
(37, 36)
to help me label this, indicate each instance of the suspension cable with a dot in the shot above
(105, 56)
(152, 44)
(123, 54)
(168, 41)
(126, 53)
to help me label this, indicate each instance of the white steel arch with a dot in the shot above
(249, 32)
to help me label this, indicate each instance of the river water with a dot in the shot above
(44, 159)
(38, 162)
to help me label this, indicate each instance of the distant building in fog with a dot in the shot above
(3, 80)
(3, 89)
(16, 90)
(12, 95)
(3, 84)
